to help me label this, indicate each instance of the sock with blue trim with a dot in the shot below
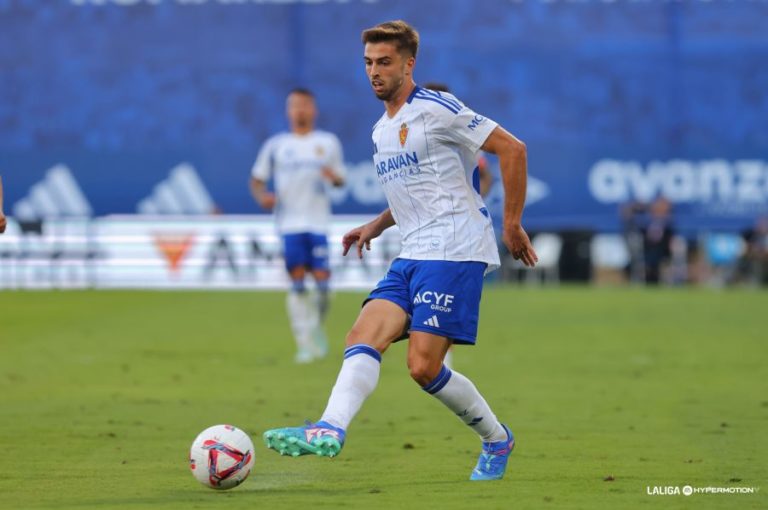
(357, 379)
(298, 286)
(302, 318)
(323, 300)
(461, 396)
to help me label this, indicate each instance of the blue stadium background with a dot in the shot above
(123, 90)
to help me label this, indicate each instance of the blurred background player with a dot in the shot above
(2, 215)
(482, 180)
(753, 262)
(649, 232)
(301, 164)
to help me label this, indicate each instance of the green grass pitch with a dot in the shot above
(609, 391)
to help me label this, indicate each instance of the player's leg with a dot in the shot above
(298, 301)
(320, 266)
(321, 271)
(379, 324)
(447, 297)
(425, 362)
(425, 355)
(448, 360)
(322, 283)
(383, 319)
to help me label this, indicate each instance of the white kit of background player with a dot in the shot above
(302, 164)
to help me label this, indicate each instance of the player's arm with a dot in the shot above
(2, 215)
(335, 179)
(334, 171)
(513, 164)
(263, 197)
(362, 235)
(260, 175)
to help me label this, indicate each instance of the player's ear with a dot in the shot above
(409, 65)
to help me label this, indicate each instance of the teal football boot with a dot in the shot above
(319, 438)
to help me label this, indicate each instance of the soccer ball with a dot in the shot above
(221, 457)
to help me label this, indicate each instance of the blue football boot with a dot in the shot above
(493, 459)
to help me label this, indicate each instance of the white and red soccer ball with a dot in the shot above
(221, 457)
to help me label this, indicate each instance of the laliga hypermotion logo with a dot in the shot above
(403, 134)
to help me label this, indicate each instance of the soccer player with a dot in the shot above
(302, 163)
(2, 214)
(424, 153)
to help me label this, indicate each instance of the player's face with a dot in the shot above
(301, 111)
(387, 69)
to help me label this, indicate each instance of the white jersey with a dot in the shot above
(295, 163)
(425, 158)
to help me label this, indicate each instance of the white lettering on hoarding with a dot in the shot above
(743, 182)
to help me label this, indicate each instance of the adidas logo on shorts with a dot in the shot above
(432, 321)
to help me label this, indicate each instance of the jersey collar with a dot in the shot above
(413, 93)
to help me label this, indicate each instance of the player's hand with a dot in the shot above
(267, 201)
(331, 176)
(350, 238)
(360, 237)
(2, 222)
(518, 244)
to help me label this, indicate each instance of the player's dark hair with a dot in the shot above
(405, 37)
(438, 87)
(302, 91)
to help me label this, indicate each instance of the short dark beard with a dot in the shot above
(388, 95)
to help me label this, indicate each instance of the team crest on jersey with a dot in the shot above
(403, 134)
(319, 151)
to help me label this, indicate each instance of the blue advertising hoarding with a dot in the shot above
(616, 101)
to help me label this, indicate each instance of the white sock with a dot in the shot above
(461, 396)
(323, 300)
(300, 315)
(357, 379)
(313, 318)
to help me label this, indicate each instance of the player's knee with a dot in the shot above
(353, 336)
(360, 335)
(423, 370)
(297, 272)
(321, 275)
